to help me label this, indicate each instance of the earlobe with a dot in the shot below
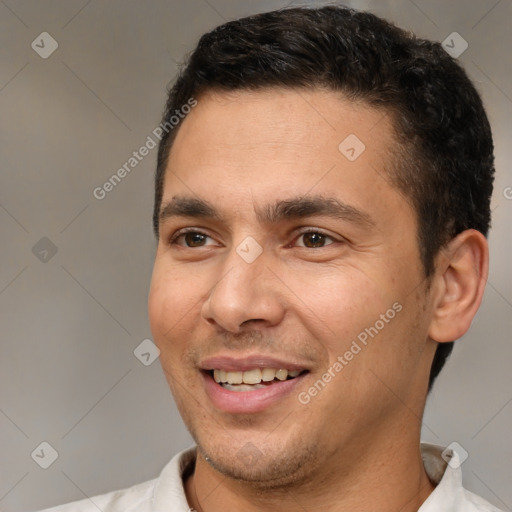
(462, 271)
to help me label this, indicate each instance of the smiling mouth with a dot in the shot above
(251, 380)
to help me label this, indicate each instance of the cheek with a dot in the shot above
(337, 304)
(170, 303)
(171, 307)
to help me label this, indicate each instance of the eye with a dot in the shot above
(190, 239)
(313, 239)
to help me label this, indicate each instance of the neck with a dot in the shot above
(361, 477)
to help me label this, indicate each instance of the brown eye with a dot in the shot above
(191, 239)
(194, 239)
(314, 239)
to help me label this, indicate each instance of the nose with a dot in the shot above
(246, 295)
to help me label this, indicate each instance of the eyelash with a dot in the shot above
(180, 233)
(185, 231)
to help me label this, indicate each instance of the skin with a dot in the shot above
(355, 445)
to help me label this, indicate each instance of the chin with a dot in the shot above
(273, 467)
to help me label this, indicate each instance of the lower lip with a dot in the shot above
(246, 402)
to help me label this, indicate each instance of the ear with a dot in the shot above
(461, 274)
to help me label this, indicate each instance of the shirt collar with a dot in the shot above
(443, 468)
(170, 486)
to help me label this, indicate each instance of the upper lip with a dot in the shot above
(241, 364)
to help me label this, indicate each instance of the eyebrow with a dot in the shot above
(180, 206)
(287, 209)
(308, 206)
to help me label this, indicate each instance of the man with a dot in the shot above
(321, 207)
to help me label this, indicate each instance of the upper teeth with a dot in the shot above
(254, 376)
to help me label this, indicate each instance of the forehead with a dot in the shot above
(267, 144)
(304, 121)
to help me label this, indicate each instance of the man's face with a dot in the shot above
(281, 249)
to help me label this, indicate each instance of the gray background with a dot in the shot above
(69, 325)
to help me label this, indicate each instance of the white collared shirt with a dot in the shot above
(166, 493)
